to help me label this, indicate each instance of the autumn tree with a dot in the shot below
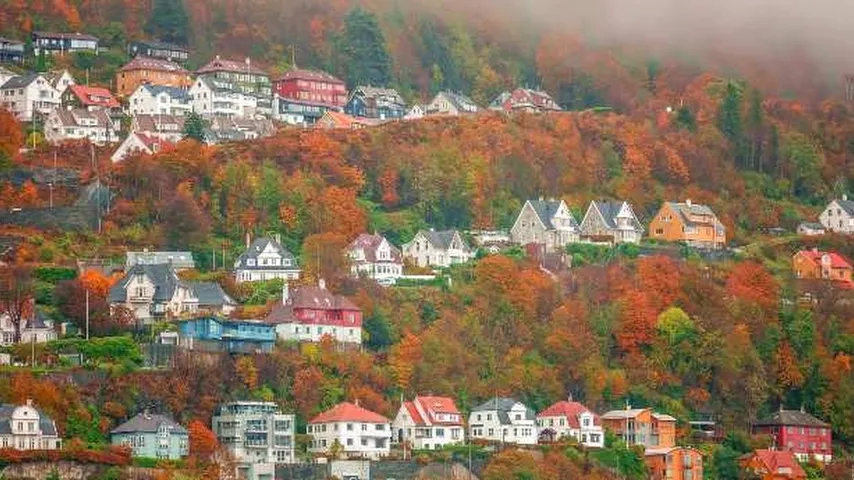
(11, 138)
(324, 257)
(203, 442)
(16, 296)
(185, 222)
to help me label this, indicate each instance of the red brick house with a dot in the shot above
(308, 313)
(798, 432)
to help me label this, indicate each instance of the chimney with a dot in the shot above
(688, 202)
(844, 197)
(248, 239)
(146, 414)
(286, 293)
(29, 402)
(322, 284)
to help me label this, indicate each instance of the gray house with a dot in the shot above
(611, 222)
(266, 259)
(152, 436)
(545, 222)
(430, 248)
(504, 420)
(838, 217)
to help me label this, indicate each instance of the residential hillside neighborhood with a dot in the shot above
(388, 248)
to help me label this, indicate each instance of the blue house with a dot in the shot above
(225, 335)
(377, 103)
(152, 436)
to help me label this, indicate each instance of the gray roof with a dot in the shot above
(174, 92)
(502, 405)
(210, 294)
(21, 81)
(791, 417)
(176, 259)
(460, 101)
(847, 205)
(163, 276)
(148, 423)
(45, 422)
(546, 209)
(258, 246)
(442, 239)
(610, 210)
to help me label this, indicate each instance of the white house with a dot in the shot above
(438, 249)
(611, 222)
(376, 258)
(157, 99)
(569, 419)
(80, 124)
(416, 112)
(503, 420)
(137, 142)
(309, 313)
(545, 222)
(351, 431)
(428, 423)
(6, 74)
(60, 80)
(35, 329)
(164, 127)
(266, 259)
(255, 432)
(811, 229)
(24, 427)
(27, 96)
(838, 217)
(451, 104)
(210, 96)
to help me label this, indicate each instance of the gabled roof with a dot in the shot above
(525, 98)
(210, 294)
(175, 93)
(158, 123)
(72, 118)
(374, 94)
(847, 205)
(610, 210)
(569, 409)
(442, 239)
(148, 423)
(370, 243)
(339, 120)
(817, 256)
(46, 424)
(163, 276)
(775, 460)
(431, 405)
(311, 75)
(460, 101)
(308, 297)
(222, 65)
(21, 81)
(152, 142)
(791, 417)
(141, 62)
(546, 210)
(349, 412)
(687, 210)
(502, 405)
(623, 414)
(257, 247)
(94, 96)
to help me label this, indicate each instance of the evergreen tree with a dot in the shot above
(685, 119)
(366, 56)
(169, 21)
(194, 127)
(730, 121)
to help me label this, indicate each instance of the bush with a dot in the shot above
(54, 275)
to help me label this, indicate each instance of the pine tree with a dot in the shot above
(169, 21)
(366, 56)
(730, 121)
(194, 127)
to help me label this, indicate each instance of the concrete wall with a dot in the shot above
(384, 470)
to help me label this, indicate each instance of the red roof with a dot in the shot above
(147, 63)
(432, 406)
(311, 75)
(349, 412)
(312, 298)
(773, 460)
(570, 410)
(370, 243)
(151, 141)
(94, 96)
(221, 65)
(836, 260)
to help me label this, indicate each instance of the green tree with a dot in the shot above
(194, 126)
(686, 119)
(805, 163)
(379, 332)
(367, 59)
(169, 21)
(675, 325)
(730, 121)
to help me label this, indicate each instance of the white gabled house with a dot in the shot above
(374, 257)
(611, 222)
(545, 222)
(352, 431)
(165, 127)
(441, 249)
(569, 419)
(137, 142)
(838, 216)
(503, 420)
(28, 96)
(64, 125)
(266, 259)
(159, 100)
(428, 423)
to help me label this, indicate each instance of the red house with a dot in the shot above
(798, 432)
(311, 86)
(308, 313)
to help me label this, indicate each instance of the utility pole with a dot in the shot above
(87, 314)
(33, 341)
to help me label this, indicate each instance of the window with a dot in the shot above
(349, 442)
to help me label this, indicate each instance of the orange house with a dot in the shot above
(816, 265)
(642, 426)
(674, 463)
(697, 225)
(773, 465)
(144, 70)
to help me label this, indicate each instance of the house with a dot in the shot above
(611, 222)
(28, 96)
(695, 224)
(64, 125)
(5, 76)
(24, 427)
(142, 70)
(545, 222)
(492, 241)
(332, 120)
(838, 217)
(353, 431)
(376, 102)
(299, 112)
(440, 249)
(569, 419)
(240, 77)
(215, 334)
(428, 423)
(503, 420)
(641, 426)
(674, 463)
(139, 143)
(312, 86)
(90, 98)
(817, 265)
(213, 97)
(35, 328)
(62, 43)
(798, 432)
(255, 432)
(161, 50)
(178, 260)
(525, 100)
(266, 259)
(237, 129)
(155, 291)
(772, 465)
(152, 436)
(416, 112)
(308, 313)
(376, 258)
(169, 128)
(451, 104)
(811, 229)
(11, 51)
(60, 80)
(150, 99)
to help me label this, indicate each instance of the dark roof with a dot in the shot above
(223, 65)
(502, 405)
(377, 93)
(609, 211)
(148, 423)
(442, 239)
(71, 118)
(847, 205)
(308, 297)
(460, 101)
(158, 123)
(163, 276)
(210, 294)
(141, 62)
(791, 417)
(46, 424)
(258, 246)
(686, 210)
(546, 209)
(21, 81)
(181, 94)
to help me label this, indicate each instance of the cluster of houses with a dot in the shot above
(259, 435)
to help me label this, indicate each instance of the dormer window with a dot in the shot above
(251, 262)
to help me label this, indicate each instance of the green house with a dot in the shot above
(152, 436)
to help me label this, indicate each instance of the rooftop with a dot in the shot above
(349, 412)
